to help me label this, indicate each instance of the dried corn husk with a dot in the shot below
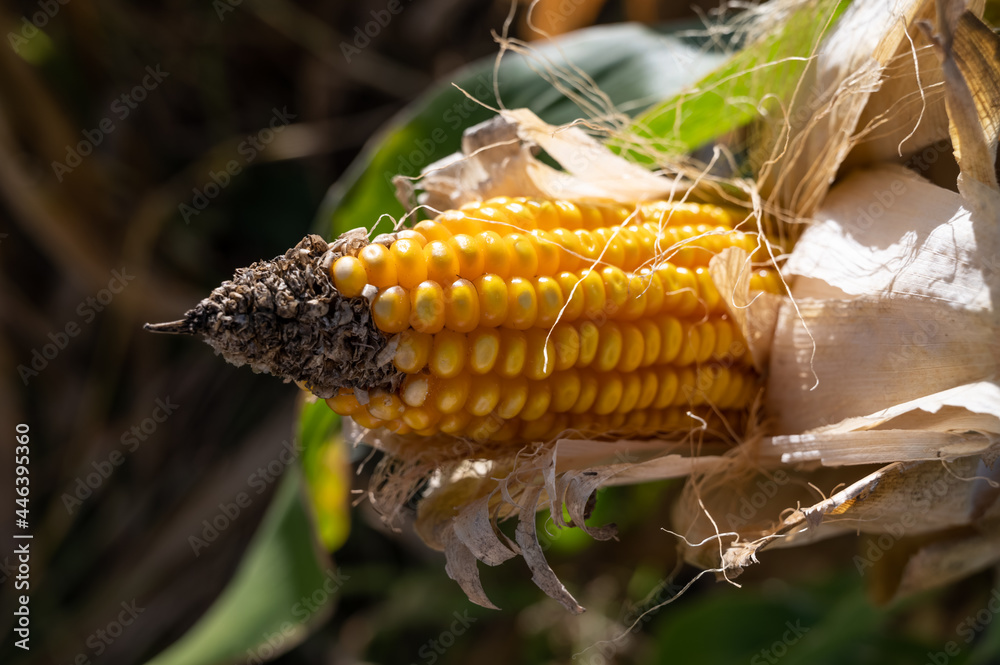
(883, 363)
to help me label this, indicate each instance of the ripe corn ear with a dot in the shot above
(516, 319)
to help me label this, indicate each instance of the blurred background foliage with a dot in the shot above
(207, 528)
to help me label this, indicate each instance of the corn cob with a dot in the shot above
(498, 306)
(512, 319)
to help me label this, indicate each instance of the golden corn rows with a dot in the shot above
(518, 319)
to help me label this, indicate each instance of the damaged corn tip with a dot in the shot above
(517, 319)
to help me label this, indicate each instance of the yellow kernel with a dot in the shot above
(548, 250)
(573, 297)
(539, 398)
(616, 288)
(609, 348)
(432, 231)
(457, 221)
(493, 300)
(521, 216)
(589, 387)
(366, 420)
(590, 337)
(569, 215)
(454, 423)
(344, 404)
(451, 394)
(710, 297)
(680, 290)
(651, 342)
(379, 265)
(690, 346)
(410, 234)
(442, 263)
(550, 300)
(566, 341)
(461, 311)
(420, 418)
(631, 391)
(718, 379)
(724, 338)
(539, 429)
(590, 216)
(391, 310)
(523, 256)
(484, 394)
(647, 243)
(666, 389)
(415, 389)
(349, 276)
(706, 342)
(565, 390)
(513, 396)
(609, 393)
(484, 347)
(540, 357)
(411, 266)
(513, 349)
(427, 308)
(546, 214)
(633, 348)
(594, 296)
(647, 393)
(609, 247)
(494, 218)
(448, 354)
(522, 304)
(672, 339)
(469, 252)
(384, 405)
(638, 287)
(496, 257)
(613, 214)
(570, 251)
(734, 390)
(686, 379)
(412, 351)
(630, 248)
(590, 247)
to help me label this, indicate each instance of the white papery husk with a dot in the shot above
(882, 365)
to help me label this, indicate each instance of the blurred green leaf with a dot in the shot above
(831, 622)
(282, 587)
(634, 66)
(761, 77)
(327, 470)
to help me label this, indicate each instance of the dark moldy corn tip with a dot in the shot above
(284, 317)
